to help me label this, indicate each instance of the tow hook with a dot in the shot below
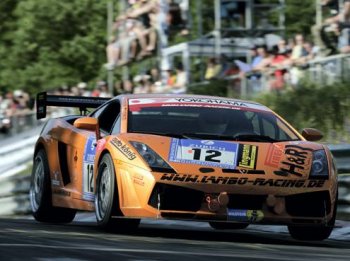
(216, 202)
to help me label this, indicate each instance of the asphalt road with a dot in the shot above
(25, 239)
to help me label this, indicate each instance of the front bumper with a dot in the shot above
(177, 202)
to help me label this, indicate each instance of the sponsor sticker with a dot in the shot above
(247, 155)
(55, 180)
(245, 215)
(237, 214)
(88, 169)
(123, 148)
(255, 215)
(274, 155)
(203, 152)
(137, 104)
(242, 181)
(297, 160)
(100, 144)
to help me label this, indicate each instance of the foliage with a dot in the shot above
(300, 16)
(325, 108)
(51, 43)
(213, 87)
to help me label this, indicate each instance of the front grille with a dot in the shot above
(176, 198)
(238, 201)
(314, 204)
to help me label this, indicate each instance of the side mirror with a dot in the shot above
(311, 134)
(88, 123)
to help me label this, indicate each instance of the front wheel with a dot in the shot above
(107, 208)
(40, 194)
(314, 233)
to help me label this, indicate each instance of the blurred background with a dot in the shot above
(291, 55)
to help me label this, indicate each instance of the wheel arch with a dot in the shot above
(98, 162)
(39, 146)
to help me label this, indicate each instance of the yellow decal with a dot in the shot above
(255, 215)
(247, 156)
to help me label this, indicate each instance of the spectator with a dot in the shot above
(128, 86)
(213, 68)
(139, 87)
(103, 89)
(278, 61)
(328, 36)
(169, 78)
(298, 50)
(260, 60)
(144, 11)
(180, 85)
(296, 59)
(263, 62)
(82, 89)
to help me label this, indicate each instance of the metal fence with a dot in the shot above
(22, 122)
(322, 71)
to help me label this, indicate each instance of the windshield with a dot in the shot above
(207, 122)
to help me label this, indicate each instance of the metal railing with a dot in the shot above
(322, 71)
(22, 122)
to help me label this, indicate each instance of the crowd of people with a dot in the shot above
(280, 65)
(15, 103)
(141, 27)
(284, 63)
(144, 25)
(155, 81)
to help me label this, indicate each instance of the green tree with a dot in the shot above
(300, 16)
(52, 43)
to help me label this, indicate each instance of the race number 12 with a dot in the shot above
(209, 155)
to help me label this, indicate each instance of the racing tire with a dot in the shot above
(107, 208)
(40, 194)
(315, 233)
(224, 225)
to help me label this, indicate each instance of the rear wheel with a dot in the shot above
(224, 225)
(107, 200)
(40, 194)
(314, 233)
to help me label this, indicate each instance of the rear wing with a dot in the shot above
(43, 100)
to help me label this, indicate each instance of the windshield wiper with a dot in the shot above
(254, 137)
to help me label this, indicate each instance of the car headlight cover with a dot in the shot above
(319, 167)
(150, 156)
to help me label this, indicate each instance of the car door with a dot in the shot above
(107, 117)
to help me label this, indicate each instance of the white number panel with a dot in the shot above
(204, 152)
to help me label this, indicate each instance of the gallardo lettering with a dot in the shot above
(259, 182)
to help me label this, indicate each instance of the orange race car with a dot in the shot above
(225, 161)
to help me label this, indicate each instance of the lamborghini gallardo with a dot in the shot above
(224, 161)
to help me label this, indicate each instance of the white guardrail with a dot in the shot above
(16, 156)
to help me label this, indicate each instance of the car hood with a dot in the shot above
(291, 159)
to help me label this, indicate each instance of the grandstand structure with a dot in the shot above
(216, 28)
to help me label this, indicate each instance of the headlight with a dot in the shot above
(319, 169)
(155, 162)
